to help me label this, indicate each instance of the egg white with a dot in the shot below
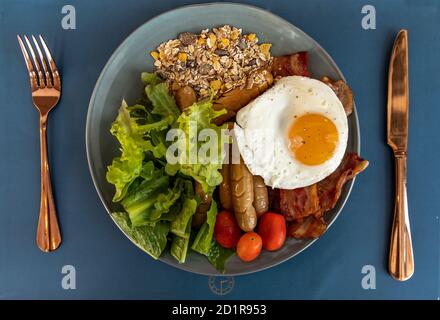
(261, 131)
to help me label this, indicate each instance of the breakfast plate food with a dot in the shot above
(223, 144)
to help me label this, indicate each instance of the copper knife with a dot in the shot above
(401, 261)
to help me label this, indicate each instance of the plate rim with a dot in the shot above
(184, 267)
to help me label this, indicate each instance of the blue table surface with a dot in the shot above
(107, 264)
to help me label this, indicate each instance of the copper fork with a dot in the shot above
(46, 91)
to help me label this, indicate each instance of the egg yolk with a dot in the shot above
(312, 139)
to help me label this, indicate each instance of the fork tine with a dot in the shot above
(29, 66)
(37, 65)
(43, 62)
(40, 54)
(53, 67)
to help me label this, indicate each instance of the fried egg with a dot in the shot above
(293, 135)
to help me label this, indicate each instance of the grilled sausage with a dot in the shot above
(205, 202)
(261, 198)
(242, 185)
(185, 97)
(225, 188)
(237, 98)
(225, 192)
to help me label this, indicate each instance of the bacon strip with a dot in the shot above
(330, 188)
(343, 92)
(310, 227)
(299, 203)
(305, 207)
(295, 64)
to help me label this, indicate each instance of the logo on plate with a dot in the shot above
(221, 285)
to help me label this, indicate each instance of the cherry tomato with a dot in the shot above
(226, 230)
(249, 246)
(272, 229)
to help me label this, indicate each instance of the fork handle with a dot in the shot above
(401, 261)
(48, 231)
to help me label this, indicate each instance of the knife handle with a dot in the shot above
(401, 261)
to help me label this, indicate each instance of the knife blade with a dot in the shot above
(401, 260)
(398, 98)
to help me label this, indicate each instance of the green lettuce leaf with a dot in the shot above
(179, 226)
(218, 256)
(180, 223)
(152, 239)
(202, 242)
(172, 212)
(150, 78)
(146, 203)
(205, 168)
(166, 200)
(135, 139)
(179, 246)
(163, 102)
(126, 168)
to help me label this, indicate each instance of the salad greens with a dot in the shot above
(179, 246)
(157, 196)
(208, 151)
(218, 256)
(202, 242)
(152, 239)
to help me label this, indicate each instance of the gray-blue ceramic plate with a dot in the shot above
(121, 79)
